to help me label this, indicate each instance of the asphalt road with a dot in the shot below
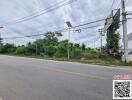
(35, 79)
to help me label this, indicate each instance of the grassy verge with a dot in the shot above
(105, 61)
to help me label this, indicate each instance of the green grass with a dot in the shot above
(102, 60)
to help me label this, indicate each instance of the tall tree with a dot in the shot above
(52, 37)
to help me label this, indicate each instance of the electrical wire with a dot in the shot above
(65, 29)
(35, 35)
(37, 12)
(34, 15)
(112, 5)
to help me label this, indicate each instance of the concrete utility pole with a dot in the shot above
(68, 48)
(101, 35)
(125, 38)
(0, 42)
(36, 49)
(0, 35)
(94, 44)
(0, 39)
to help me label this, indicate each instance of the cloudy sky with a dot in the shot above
(78, 12)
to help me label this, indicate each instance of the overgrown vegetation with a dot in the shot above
(51, 48)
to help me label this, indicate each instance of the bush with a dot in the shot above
(61, 50)
(91, 56)
(8, 48)
(50, 50)
(20, 50)
(76, 53)
(130, 63)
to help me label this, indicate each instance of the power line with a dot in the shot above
(112, 5)
(35, 35)
(65, 29)
(100, 20)
(23, 36)
(85, 28)
(37, 12)
(47, 10)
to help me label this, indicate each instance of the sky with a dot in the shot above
(78, 12)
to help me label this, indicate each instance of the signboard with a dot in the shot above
(116, 19)
(108, 22)
(113, 18)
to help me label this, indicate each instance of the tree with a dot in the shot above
(39, 46)
(76, 53)
(113, 42)
(20, 50)
(52, 37)
(30, 48)
(50, 50)
(83, 47)
(62, 49)
(8, 48)
(76, 45)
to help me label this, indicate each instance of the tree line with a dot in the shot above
(49, 46)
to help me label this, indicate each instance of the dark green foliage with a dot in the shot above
(83, 47)
(113, 36)
(76, 53)
(30, 49)
(8, 48)
(52, 37)
(50, 50)
(20, 50)
(49, 46)
(113, 41)
(62, 49)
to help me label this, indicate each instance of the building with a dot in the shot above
(130, 42)
(130, 46)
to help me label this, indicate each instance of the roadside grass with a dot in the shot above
(100, 60)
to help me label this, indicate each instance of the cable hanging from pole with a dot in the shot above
(34, 15)
(65, 29)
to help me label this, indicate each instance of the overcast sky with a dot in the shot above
(80, 11)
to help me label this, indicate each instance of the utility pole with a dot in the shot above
(101, 35)
(125, 38)
(36, 49)
(0, 42)
(94, 44)
(68, 47)
(0, 39)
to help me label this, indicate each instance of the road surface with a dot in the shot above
(36, 79)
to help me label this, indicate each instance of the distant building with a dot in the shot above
(130, 42)
(130, 46)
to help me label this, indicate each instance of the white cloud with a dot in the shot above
(78, 12)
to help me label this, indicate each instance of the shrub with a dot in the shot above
(50, 50)
(20, 50)
(76, 53)
(91, 56)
